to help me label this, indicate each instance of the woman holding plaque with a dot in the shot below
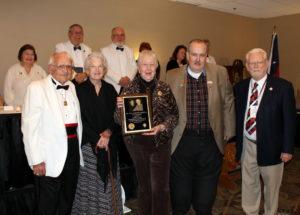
(150, 151)
(99, 188)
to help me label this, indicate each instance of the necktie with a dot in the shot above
(251, 121)
(77, 47)
(65, 87)
(120, 48)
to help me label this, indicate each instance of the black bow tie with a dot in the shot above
(65, 87)
(120, 48)
(77, 47)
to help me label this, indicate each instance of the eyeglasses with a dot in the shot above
(96, 67)
(77, 32)
(195, 55)
(64, 67)
(257, 63)
(118, 35)
(148, 65)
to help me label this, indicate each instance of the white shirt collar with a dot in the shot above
(193, 74)
(260, 83)
(57, 82)
(115, 46)
(72, 45)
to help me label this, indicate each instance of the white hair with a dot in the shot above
(55, 54)
(97, 56)
(147, 53)
(256, 50)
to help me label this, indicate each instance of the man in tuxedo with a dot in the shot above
(52, 129)
(77, 50)
(120, 60)
(265, 119)
(206, 121)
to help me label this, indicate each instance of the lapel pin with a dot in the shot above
(209, 84)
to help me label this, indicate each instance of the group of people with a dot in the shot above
(21, 74)
(70, 127)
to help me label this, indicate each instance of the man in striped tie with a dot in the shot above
(265, 122)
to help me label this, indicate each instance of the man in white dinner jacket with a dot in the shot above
(120, 60)
(77, 50)
(52, 130)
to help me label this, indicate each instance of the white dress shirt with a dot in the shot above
(195, 75)
(66, 103)
(260, 89)
(78, 56)
(17, 80)
(120, 64)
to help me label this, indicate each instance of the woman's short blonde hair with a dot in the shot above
(147, 53)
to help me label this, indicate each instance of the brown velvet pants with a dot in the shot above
(152, 166)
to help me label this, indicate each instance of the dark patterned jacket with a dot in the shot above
(164, 109)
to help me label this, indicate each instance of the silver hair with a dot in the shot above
(53, 56)
(147, 53)
(255, 51)
(112, 30)
(74, 25)
(98, 56)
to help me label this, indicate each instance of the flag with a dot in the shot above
(274, 57)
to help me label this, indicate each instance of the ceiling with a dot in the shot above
(250, 8)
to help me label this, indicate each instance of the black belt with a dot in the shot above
(196, 133)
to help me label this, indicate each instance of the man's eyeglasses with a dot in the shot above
(257, 63)
(96, 67)
(64, 67)
(118, 35)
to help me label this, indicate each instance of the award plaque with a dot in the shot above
(137, 116)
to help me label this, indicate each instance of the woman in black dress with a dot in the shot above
(98, 189)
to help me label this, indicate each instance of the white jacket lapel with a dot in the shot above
(53, 101)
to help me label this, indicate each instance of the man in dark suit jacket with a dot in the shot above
(265, 122)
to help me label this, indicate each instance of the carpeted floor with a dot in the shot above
(228, 201)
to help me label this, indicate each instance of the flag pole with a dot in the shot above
(271, 48)
(274, 29)
(274, 55)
